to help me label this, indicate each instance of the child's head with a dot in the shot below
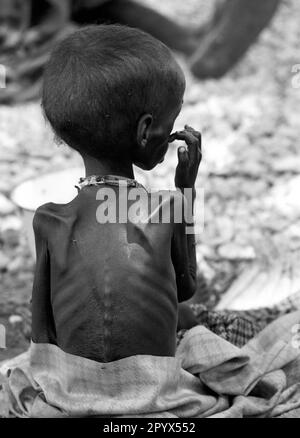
(113, 93)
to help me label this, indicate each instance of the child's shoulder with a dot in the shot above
(46, 209)
(47, 214)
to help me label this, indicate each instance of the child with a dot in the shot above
(107, 291)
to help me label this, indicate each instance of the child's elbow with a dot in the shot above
(192, 289)
(187, 290)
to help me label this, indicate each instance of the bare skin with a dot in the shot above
(186, 173)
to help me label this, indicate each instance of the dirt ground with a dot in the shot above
(250, 122)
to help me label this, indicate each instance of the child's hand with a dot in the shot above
(189, 158)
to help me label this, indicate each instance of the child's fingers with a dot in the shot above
(172, 137)
(193, 131)
(198, 135)
(192, 144)
(183, 157)
(193, 140)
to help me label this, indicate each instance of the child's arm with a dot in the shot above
(183, 244)
(184, 261)
(43, 328)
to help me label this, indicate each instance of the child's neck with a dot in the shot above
(102, 168)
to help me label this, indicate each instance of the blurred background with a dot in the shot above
(245, 102)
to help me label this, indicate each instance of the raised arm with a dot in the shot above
(183, 244)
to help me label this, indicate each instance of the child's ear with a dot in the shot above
(143, 130)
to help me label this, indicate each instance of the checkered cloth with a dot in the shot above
(240, 327)
(209, 377)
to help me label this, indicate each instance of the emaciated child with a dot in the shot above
(107, 291)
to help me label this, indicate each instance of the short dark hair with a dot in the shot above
(100, 80)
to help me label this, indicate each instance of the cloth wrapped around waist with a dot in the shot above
(209, 377)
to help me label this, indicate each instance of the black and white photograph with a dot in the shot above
(149, 211)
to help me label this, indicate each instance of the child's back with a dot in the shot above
(113, 287)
